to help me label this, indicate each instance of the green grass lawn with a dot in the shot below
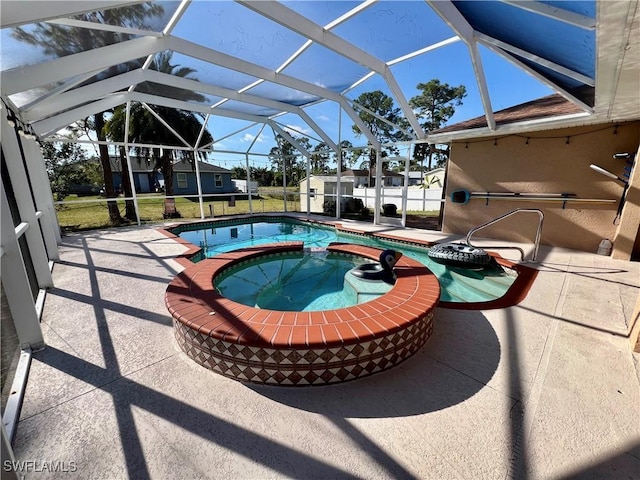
(91, 215)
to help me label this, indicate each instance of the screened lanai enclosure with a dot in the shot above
(169, 100)
(291, 75)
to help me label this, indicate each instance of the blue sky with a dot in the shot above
(387, 30)
(508, 86)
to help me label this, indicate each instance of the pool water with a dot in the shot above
(457, 285)
(302, 282)
(224, 239)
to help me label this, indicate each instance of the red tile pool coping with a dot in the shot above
(300, 348)
(514, 295)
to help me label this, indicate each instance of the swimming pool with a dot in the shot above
(277, 346)
(307, 281)
(458, 286)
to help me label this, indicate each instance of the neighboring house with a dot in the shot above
(432, 179)
(360, 178)
(241, 186)
(145, 179)
(214, 179)
(323, 188)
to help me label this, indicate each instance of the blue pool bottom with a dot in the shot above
(302, 282)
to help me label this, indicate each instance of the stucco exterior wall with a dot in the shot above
(549, 162)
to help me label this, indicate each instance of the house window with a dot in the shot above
(182, 180)
(312, 192)
(218, 180)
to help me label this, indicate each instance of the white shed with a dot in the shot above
(323, 188)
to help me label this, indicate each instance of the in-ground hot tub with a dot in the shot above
(300, 348)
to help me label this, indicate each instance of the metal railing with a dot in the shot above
(502, 217)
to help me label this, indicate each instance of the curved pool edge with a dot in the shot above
(300, 348)
(516, 293)
(513, 296)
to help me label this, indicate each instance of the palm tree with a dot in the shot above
(144, 127)
(62, 40)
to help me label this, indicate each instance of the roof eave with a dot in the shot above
(540, 124)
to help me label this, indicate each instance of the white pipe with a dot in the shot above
(606, 172)
(128, 158)
(405, 190)
(21, 228)
(249, 182)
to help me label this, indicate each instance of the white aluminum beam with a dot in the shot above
(53, 124)
(80, 96)
(99, 89)
(296, 130)
(193, 107)
(228, 61)
(202, 130)
(105, 27)
(117, 144)
(381, 118)
(289, 138)
(19, 12)
(456, 21)
(316, 128)
(343, 18)
(240, 130)
(173, 21)
(128, 159)
(26, 208)
(59, 89)
(570, 97)
(430, 48)
(167, 126)
(490, 41)
(32, 76)
(189, 84)
(452, 17)
(358, 121)
(617, 46)
(43, 197)
(292, 20)
(218, 58)
(476, 61)
(177, 15)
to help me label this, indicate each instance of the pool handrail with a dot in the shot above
(502, 217)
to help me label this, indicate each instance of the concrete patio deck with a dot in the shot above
(547, 389)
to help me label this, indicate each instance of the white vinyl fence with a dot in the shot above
(418, 199)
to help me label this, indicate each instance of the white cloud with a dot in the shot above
(249, 137)
(296, 130)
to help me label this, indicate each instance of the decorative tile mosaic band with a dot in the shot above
(303, 366)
